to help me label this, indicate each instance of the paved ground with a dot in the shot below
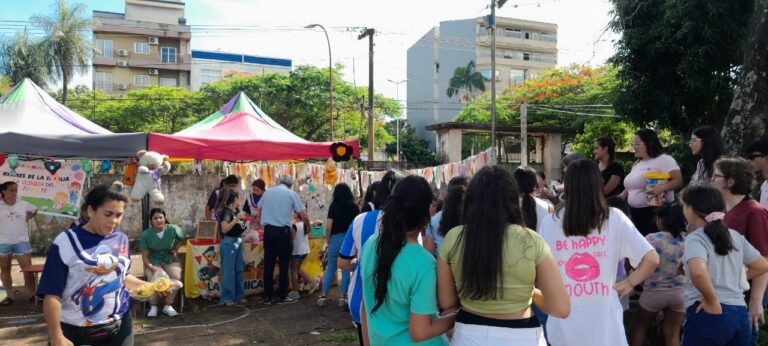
(204, 323)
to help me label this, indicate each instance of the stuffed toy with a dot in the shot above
(151, 166)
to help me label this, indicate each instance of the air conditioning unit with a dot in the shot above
(122, 63)
(153, 71)
(122, 52)
(122, 86)
(153, 40)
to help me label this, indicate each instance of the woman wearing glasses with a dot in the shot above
(706, 144)
(733, 177)
(650, 159)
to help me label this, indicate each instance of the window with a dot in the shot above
(169, 82)
(547, 37)
(514, 55)
(516, 77)
(104, 48)
(168, 54)
(209, 76)
(487, 75)
(526, 56)
(102, 81)
(513, 32)
(141, 80)
(141, 47)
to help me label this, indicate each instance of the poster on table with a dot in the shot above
(203, 267)
(53, 187)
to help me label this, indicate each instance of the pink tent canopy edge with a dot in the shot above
(241, 150)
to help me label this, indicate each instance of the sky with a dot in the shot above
(276, 29)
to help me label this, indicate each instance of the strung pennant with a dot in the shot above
(2, 159)
(13, 162)
(106, 166)
(52, 166)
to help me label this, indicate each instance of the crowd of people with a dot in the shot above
(502, 258)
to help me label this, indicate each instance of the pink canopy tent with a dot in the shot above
(240, 131)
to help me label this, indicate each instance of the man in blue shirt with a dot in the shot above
(277, 207)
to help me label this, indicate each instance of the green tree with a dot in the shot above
(678, 60)
(467, 78)
(560, 97)
(5, 84)
(412, 147)
(66, 44)
(22, 57)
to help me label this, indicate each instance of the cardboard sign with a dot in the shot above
(53, 187)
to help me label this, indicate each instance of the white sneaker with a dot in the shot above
(152, 311)
(293, 295)
(343, 303)
(322, 302)
(168, 310)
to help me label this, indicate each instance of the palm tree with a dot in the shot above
(465, 77)
(22, 57)
(66, 44)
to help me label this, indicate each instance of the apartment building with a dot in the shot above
(524, 49)
(147, 45)
(209, 67)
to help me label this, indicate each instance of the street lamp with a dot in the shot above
(397, 120)
(330, 69)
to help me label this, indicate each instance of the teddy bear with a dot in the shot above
(151, 166)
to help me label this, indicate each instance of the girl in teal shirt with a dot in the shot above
(402, 309)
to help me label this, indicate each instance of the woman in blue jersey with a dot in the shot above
(85, 280)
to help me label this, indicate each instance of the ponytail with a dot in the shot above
(529, 211)
(720, 236)
(406, 209)
(708, 204)
(527, 181)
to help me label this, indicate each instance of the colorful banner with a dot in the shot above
(53, 187)
(203, 267)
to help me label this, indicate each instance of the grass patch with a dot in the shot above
(341, 336)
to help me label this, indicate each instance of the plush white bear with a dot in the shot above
(151, 166)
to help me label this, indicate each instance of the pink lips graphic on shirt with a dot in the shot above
(582, 267)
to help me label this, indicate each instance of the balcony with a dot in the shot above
(516, 41)
(176, 62)
(126, 87)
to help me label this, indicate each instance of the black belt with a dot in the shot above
(470, 318)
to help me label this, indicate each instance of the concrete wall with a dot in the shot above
(185, 195)
(198, 65)
(154, 11)
(456, 50)
(421, 77)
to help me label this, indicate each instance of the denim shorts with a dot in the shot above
(17, 249)
(299, 257)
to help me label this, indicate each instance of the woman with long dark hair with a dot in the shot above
(713, 260)
(490, 266)
(588, 238)
(650, 159)
(705, 143)
(610, 170)
(231, 227)
(341, 212)
(534, 209)
(363, 227)
(370, 193)
(399, 309)
(449, 217)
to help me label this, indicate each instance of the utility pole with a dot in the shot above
(492, 27)
(369, 32)
(523, 135)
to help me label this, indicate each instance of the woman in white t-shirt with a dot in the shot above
(14, 238)
(587, 239)
(705, 143)
(650, 158)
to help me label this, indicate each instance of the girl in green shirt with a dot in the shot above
(159, 245)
